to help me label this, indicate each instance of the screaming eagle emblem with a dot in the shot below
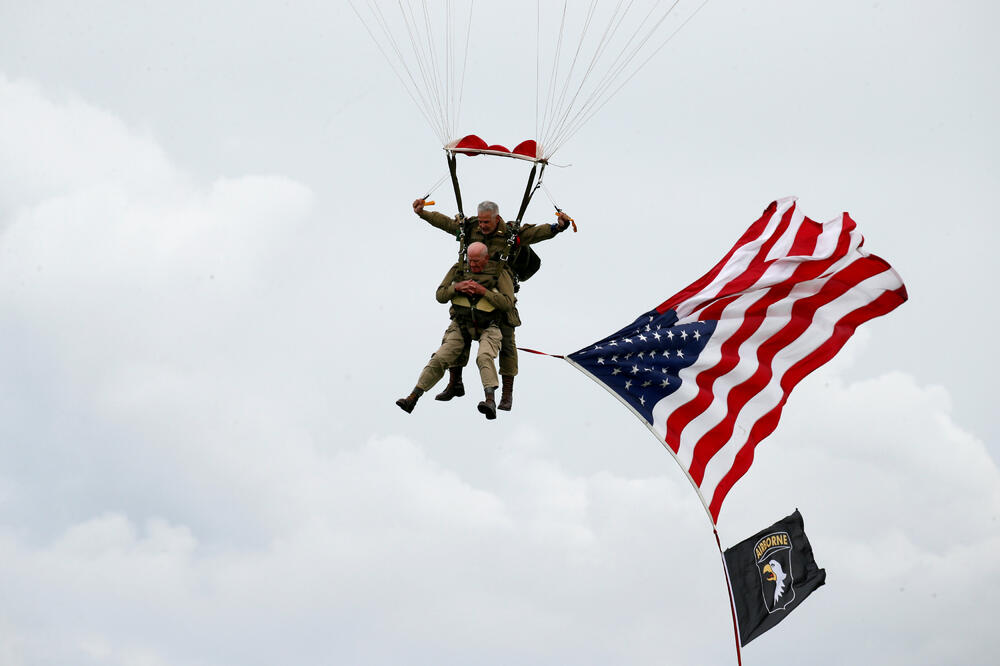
(774, 555)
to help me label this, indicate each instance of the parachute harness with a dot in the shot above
(512, 247)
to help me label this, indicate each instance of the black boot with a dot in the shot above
(455, 387)
(488, 406)
(506, 393)
(409, 402)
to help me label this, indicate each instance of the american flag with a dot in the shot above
(709, 370)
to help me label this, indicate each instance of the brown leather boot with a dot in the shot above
(455, 387)
(409, 402)
(488, 406)
(506, 392)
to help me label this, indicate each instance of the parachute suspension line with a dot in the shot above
(553, 130)
(628, 40)
(606, 37)
(621, 64)
(615, 43)
(614, 72)
(427, 69)
(413, 90)
(634, 72)
(465, 62)
(424, 65)
(555, 70)
(538, 60)
(597, 106)
(448, 62)
(576, 55)
(439, 89)
(427, 91)
(433, 188)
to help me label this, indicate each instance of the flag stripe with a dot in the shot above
(801, 318)
(819, 330)
(838, 235)
(758, 266)
(738, 260)
(764, 426)
(751, 318)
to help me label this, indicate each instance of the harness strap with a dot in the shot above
(453, 170)
(528, 191)
(462, 223)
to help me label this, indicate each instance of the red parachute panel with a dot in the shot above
(474, 145)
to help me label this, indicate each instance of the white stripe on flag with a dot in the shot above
(737, 264)
(784, 244)
(817, 335)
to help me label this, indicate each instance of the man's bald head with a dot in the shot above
(478, 256)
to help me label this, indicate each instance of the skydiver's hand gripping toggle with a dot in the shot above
(565, 220)
(418, 205)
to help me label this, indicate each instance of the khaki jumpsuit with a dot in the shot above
(472, 318)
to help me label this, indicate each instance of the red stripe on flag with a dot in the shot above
(843, 330)
(729, 351)
(760, 263)
(806, 237)
(803, 314)
(805, 240)
(750, 235)
(753, 317)
(713, 311)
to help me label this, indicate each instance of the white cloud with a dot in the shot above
(903, 510)
(180, 488)
(52, 148)
(399, 555)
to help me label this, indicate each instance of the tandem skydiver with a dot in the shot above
(491, 230)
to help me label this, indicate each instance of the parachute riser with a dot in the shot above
(463, 255)
(514, 228)
(529, 191)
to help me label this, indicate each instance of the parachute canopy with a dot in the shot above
(473, 145)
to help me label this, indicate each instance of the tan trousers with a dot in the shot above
(508, 352)
(452, 346)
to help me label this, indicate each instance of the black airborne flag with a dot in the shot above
(770, 574)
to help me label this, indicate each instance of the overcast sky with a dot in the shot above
(212, 290)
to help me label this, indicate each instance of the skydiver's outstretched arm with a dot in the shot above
(449, 225)
(536, 233)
